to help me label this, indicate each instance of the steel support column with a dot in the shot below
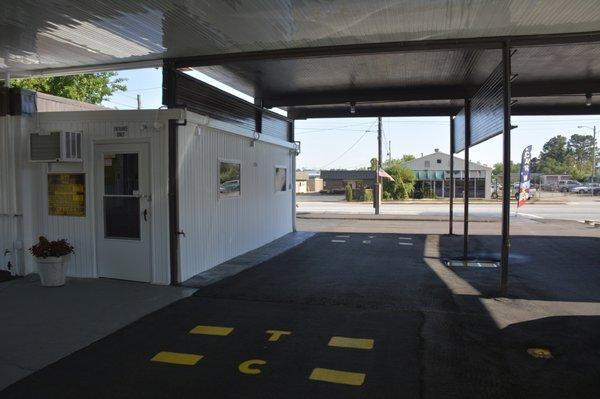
(466, 178)
(506, 170)
(379, 155)
(293, 137)
(451, 194)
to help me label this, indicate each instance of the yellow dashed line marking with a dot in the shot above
(186, 359)
(354, 343)
(211, 330)
(337, 377)
(343, 236)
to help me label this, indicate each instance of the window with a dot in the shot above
(427, 164)
(229, 179)
(280, 179)
(439, 161)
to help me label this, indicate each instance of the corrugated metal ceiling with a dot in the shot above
(36, 35)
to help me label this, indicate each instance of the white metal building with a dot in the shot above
(108, 194)
(434, 170)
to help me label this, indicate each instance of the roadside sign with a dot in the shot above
(524, 178)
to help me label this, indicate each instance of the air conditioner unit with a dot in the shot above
(55, 147)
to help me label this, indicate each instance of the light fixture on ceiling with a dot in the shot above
(588, 99)
(352, 107)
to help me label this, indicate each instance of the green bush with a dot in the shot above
(368, 196)
(348, 193)
(403, 186)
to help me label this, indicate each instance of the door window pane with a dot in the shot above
(280, 179)
(229, 179)
(122, 217)
(121, 174)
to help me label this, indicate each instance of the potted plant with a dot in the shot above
(50, 256)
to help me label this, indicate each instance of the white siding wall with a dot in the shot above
(219, 229)
(11, 248)
(80, 231)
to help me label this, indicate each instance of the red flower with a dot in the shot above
(45, 248)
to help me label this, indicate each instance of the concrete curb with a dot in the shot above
(407, 218)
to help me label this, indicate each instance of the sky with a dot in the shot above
(351, 142)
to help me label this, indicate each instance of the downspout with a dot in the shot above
(14, 266)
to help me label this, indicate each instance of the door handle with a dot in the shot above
(145, 213)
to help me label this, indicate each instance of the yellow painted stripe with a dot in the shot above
(187, 359)
(337, 377)
(354, 343)
(211, 330)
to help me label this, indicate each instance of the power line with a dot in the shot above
(121, 104)
(351, 147)
(332, 131)
(145, 89)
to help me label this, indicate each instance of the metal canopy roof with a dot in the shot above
(51, 34)
(390, 83)
(314, 57)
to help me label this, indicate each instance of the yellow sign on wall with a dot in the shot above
(66, 194)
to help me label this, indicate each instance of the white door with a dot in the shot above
(122, 187)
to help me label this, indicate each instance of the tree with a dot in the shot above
(499, 168)
(407, 158)
(374, 162)
(553, 156)
(403, 184)
(580, 147)
(91, 88)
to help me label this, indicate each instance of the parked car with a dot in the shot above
(583, 189)
(566, 185)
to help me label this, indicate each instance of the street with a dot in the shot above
(578, 209)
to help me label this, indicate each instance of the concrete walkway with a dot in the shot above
(41, 325)
(248, 260)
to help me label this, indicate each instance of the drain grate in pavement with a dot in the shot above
(470, 263)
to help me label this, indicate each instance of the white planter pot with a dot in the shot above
(52, 271)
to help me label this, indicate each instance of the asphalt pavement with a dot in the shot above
(361, 315)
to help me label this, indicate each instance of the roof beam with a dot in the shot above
(517, 109)
(484, 43)
(344, 112)
(531, 89)
(367, 95)
(541, 110)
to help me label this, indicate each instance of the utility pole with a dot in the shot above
(594, 157)
(139, 102)
(379, 154)
(390, 151)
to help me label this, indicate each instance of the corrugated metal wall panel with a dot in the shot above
(487, 108)
(218, 229)
(459, 131)
(276, 127)
(204, 99)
